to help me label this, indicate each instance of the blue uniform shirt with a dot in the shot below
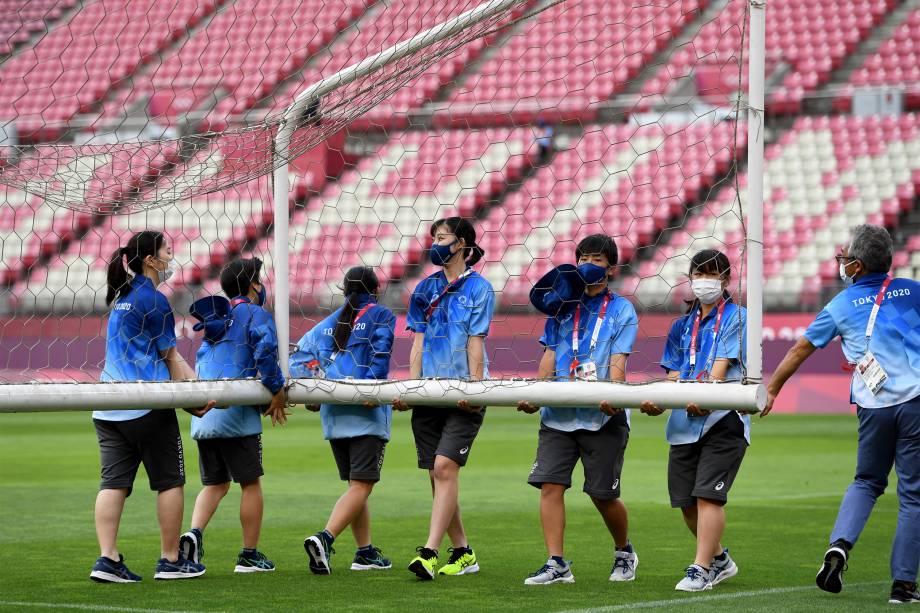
(895, 340)
(617, 335)
(463, 312)
(366, 356)
(141, 327)
(248, 348)
(684, 428)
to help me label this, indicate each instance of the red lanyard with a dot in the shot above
(237, 301)
(450, 287)
(696, 330)
(594, 336)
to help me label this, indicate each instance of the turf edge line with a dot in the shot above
(88, 607)
(649, 604)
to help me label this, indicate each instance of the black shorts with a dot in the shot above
(444, 431)
(153, 439)
(601, 454)
(707, 468)
(359, 458)
(239, 458)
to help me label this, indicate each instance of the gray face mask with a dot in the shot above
(165, 275)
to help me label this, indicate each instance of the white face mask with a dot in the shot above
(847, 280)
(165, 275)
(707, 290)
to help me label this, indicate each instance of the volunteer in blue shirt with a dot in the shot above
(354, 342)
(449, 313)
(587, 337)
(240, 341)
(878, 319)
(707, 447)
(141, 346)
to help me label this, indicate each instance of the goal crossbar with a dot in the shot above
(49, 397)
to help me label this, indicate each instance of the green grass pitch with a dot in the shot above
(780, 513)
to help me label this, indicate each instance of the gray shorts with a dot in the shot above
(707, 468)
(239, 458)
(359, 458)
(601, 454)
(444, 431)
(153, 439)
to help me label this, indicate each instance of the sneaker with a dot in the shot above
(365, 560)
(830, 577)
(424, 563)
(462, 561)
(191, 545)
(902, 592)
(624, 566)
(723, 569)
(696, 580)
(253, 562)
(106, 570)
(552, 572)
(180, 569)
(319, 550)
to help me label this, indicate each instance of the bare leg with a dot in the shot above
(109, 506)
(206, 504)
(445, 510)
(170, 505)
(349, 506)
(617, 519)
(709, 528)
(361, 527)
(552, 517)
(251, 506)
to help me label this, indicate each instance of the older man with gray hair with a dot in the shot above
(878, 319)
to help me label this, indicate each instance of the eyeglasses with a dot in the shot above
(844, 259)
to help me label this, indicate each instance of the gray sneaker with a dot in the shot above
(696, 580)
(720, 570)
(551, 572)
(624, 566)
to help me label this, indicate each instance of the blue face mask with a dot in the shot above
(592, 274)
(441, 254)
(263, 295)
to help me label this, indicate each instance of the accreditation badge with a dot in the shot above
(586, 371)
(871, 372)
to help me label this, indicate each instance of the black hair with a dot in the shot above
(359, 281)
(598, 244)
(237, 276)
(462, 229)
(710, 262)
(142, 244)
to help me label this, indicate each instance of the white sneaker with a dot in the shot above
(551, 572)
(720, 570)
(624, 566)
(696, 580)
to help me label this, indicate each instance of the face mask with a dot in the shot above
(847, 280)
(707, 290)
(260, 300)
(441, 254)
(165, 275)
(592, 274)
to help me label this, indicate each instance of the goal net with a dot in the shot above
(539, 121)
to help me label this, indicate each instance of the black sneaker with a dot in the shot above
(830, 577)
(319, 550)
(253, 562)
(903, 592)
(106, 570)
(191, 545)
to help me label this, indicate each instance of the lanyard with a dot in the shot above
(870, 326)
(450, 287)
(354, 322)
(237, 301)
(594, 335)
(696, 330)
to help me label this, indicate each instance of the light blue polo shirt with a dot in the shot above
(463, 312)
(683, 428)
(141, 327)
(617, 335)
(895, 340)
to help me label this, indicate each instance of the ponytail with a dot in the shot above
(133, 254)
(462, 229)
(360, 281)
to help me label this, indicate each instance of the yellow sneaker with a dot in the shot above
(424, 563)
(462, 561)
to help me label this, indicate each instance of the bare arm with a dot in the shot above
(617, 375)
(794, 358)
(546, 370)
(415, 356)
(475, 356)
(179, 370)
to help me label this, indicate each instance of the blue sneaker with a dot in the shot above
(319, 550)
(191, 545)
(106, 570)
(253, 561)
(370, 559)
(180, 569)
